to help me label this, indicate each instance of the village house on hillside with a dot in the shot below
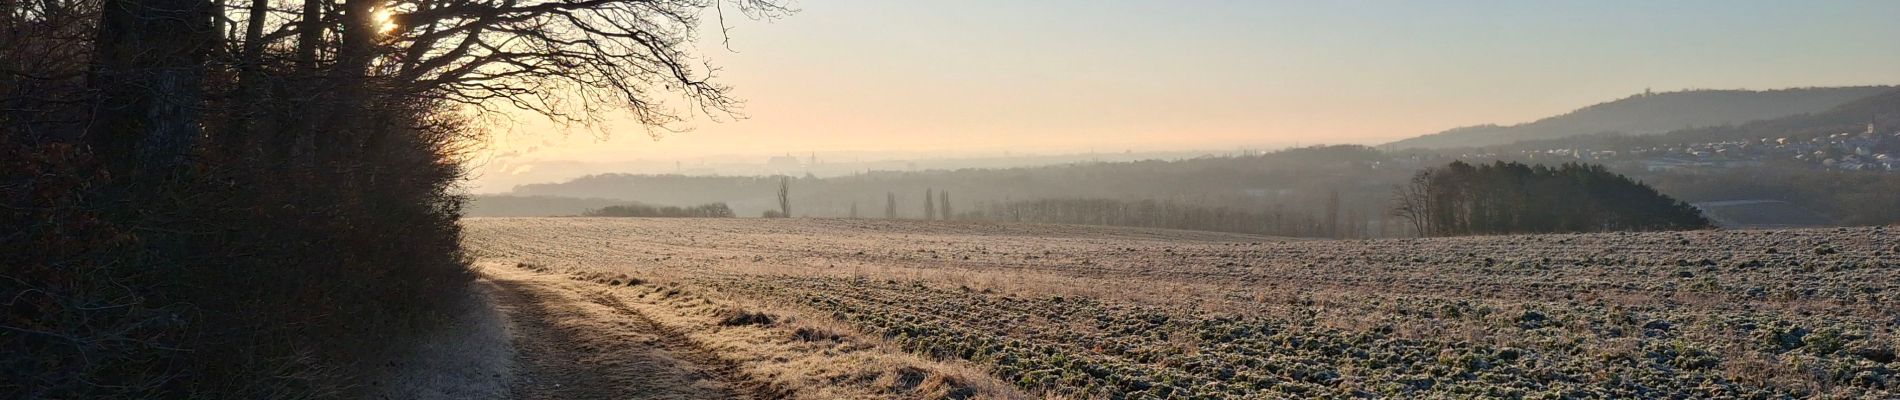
(1868, 150)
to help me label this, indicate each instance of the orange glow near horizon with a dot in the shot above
(1072, 77)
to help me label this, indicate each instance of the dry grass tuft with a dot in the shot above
(816, 334)
(742, 317)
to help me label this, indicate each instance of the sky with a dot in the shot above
(1054, 76)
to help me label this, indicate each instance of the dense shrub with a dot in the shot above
(208, 283)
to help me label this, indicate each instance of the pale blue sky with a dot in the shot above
(1067, 75)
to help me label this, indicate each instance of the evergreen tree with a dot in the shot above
(890, 205)
(943, 202)
(930, 206)
(1505, 198)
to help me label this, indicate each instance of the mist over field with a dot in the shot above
(860, 199)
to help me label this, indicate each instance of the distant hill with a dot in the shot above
(1852, 117)
(1647, 114)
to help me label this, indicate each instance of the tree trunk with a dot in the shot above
(293, 145)
(349, 131)
(240, 138)
(310, 35)
(8, 35)
(147, 69)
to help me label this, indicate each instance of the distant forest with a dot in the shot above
(1171, 215)
(710, 210)
(1303, 187)
(1845, 197)
(535, 206)
(1848, 198)
(1504, 198)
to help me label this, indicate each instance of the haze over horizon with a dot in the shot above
(1069, 76)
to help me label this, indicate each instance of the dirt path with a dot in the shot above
(574, 341)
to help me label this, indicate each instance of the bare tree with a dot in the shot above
(1412, 202)
(569, 60)
(566, 59)
(785, 197)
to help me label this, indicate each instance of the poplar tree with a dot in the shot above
(930, 205)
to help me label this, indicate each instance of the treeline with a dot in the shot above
(710, 210)
(1173, 215)
(1850, 198)
(1299, 181)
(532, 206)
(1503, 198)
(256, 199)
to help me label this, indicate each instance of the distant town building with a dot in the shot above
(783, 164)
